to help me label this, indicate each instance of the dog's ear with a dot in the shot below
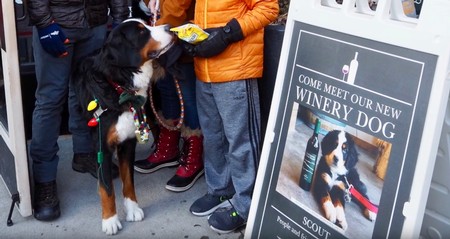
(158, 72)
(352, 154)
(121, 56)
(120, 49)
(329, 142)
(170, 61)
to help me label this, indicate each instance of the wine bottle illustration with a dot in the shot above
(310, 159)
(353, 69)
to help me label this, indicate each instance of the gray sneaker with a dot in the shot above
(225, 220)
(207, 204)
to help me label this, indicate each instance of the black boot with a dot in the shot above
(87, 163)
(46, 202)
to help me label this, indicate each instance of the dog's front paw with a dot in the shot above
(111, 225)
(343, 224)
(370, 215)
(134, 212)
(340, 218)
(329, 210)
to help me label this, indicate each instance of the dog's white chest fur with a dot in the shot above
(125, 127)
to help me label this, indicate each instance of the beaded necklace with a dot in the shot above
(180, 97)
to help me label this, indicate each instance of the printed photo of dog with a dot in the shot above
(334, 174)
(344, 153)
(117, 80)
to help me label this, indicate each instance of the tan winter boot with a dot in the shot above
(191, 162)
(166, 153)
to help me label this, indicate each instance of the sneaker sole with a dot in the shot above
(182, 189)
(226, 231)
(207, 213)
(151, 170)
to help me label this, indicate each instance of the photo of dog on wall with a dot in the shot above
(347, 181)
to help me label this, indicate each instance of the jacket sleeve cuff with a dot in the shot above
(235, 30)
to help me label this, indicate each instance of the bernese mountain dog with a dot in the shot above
(335, 172)
(111, 86)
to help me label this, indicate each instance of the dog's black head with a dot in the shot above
(339, 152)
(125, 59)
(133, 42)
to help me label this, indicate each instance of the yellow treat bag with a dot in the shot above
(190, 33)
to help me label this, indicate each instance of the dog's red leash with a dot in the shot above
(363, 200)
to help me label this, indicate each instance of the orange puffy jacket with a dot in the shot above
(176, 12)
(242, 59)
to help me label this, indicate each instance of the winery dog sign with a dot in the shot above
(343, 139)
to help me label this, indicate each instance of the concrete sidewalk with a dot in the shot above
(166, 213)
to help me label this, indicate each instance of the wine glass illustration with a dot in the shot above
(345, 69)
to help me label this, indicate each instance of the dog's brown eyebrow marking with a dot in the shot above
(329, 158)
(151, 46)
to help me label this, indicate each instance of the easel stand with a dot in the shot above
(15, 199)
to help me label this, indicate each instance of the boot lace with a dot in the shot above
(46, 194)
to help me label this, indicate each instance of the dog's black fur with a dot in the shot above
(125, 61)
(338, 161)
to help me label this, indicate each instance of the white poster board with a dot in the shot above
(382, 78)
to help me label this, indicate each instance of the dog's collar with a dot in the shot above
(116, 86)
(157, 54)
(127, 95)
(136, 103)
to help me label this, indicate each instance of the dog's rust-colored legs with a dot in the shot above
(110, 222)
(340, 215)
(126, 155)
(108, 205)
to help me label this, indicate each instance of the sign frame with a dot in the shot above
(388, 25)
(15, 174)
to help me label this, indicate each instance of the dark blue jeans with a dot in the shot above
(170, 103)
(53, 91)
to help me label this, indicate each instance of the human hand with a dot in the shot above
(52, 39)
(150, 9)
(153, 5)
(217, 41)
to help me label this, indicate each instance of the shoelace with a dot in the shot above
(46, 194)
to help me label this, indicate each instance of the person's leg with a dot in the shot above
(188, 91)
(167, 152)
(191, 161)
(85, 42)
(215, 154)
(238, 104)
(215, 144)
(52, 75)
(170, 104)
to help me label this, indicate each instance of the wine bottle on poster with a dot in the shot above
(310, 159)
(352, 70)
